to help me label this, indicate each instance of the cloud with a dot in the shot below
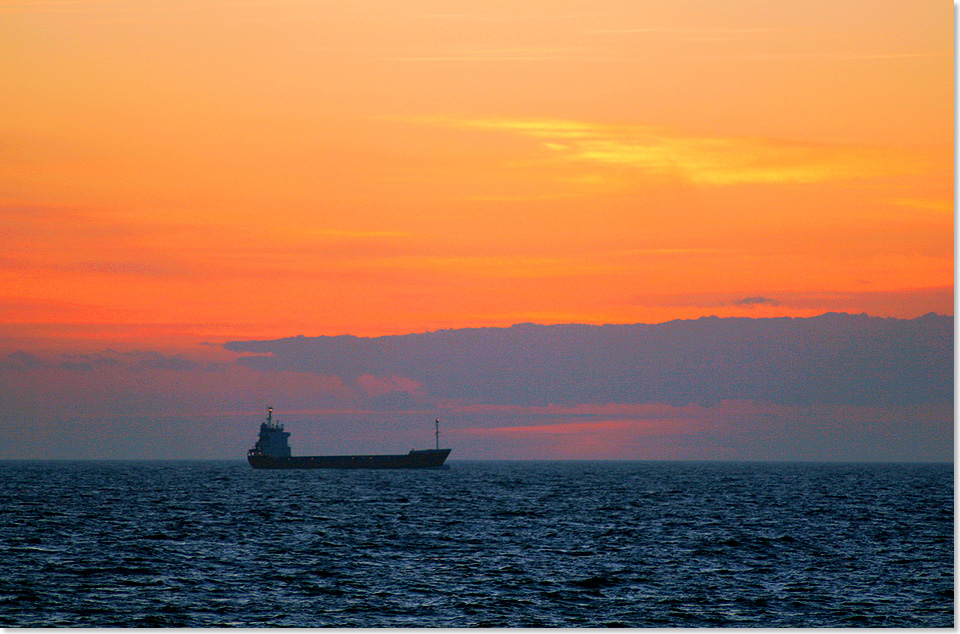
(838, 387)
(518, 54)
(143, 360)
(377, 385)
(753, 301)
(902, 303)
(697, 159)
(160, 361)
(829, 56)
(931, 204)
(834, 358)
(76, 241)
(110, 246)
(645, 427)
(694, 32)
(87, 362)
(21, 361)
(344, 233)
(730, 430)
(392, 393)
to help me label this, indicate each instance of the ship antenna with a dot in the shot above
(269, 416)
(438, 433)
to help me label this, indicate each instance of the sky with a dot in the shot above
(176, 175)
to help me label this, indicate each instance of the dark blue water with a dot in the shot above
(481, 544)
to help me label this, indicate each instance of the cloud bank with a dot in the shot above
(832, 359)
(834, 387)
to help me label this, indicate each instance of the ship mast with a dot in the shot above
(438, 433)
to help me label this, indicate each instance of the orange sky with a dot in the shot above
(175, 172)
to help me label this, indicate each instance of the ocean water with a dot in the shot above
(531, 544)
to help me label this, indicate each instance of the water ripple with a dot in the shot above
(480, 545)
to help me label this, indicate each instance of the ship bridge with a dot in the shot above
(273, 440)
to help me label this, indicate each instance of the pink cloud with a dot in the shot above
(379, 385)
(731, 430)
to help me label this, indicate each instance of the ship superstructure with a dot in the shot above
(273, 440)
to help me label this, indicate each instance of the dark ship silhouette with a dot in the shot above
(273, 452)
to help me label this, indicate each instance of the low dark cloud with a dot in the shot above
(752, 301)
(89, 361)
(160, 361)
(834, 358)
(21, 361)
(834, 387)
(900, 303)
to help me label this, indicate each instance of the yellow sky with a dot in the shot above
(181, 171)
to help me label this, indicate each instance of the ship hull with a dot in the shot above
(425, 459)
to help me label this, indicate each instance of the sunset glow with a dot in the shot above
(176, 174)
(220, 170)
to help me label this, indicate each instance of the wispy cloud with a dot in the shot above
(694, 34)
(476, 17)
(74, 241)
(516, 54)
(500, 267)
(931, 204)
(701, 160)
(359, 234)
(829, 56)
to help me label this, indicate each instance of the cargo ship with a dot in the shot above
(272, 451)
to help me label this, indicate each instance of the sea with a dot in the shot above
(481, 544)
